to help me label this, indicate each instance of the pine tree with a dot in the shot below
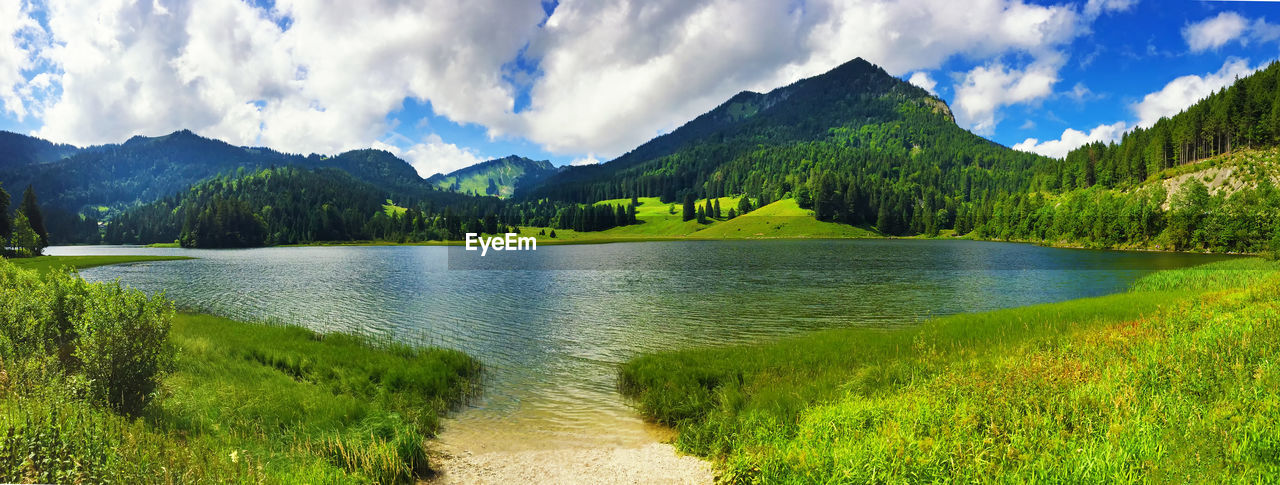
(31, 209)
(690, 211)
(717, 206)
(6, 225)
(702, 215)
(744, 205)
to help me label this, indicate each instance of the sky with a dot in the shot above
(448, 83)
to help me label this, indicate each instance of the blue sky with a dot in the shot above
(447, 83)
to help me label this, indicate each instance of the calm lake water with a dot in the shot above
(551, 325)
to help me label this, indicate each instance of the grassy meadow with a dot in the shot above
(1177, 380)
(783, 219)
(227, 401)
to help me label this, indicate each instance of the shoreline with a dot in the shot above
(543, 241)
(462, 456)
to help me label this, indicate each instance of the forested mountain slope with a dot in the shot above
(1203, 180)
(18, 151)
(144, 169)
(501, 177)
(890, 150)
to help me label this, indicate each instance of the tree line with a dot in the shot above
(296, 205)
(23, 233)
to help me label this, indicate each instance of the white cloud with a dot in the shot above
(590, 159)
(922, 80)
(986, 89)
(1072, 139)
(433, 155)
(227, 69)
(1227, 27)
(17, 30)
(1080, 93)
(1096, 7)
(1185, 91)
(1214, 32)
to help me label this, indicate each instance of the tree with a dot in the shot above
(702, 215)
(6, 225)
(25, 240)
(690, 211)
(717, 208)
(32, 210)
(553, 234)
(744, 205)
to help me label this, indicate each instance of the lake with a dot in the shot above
(551, 325)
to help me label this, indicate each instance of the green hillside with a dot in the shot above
(500, 177)
(658, 221)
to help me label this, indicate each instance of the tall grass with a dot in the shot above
(240, 402)
(1170, 385)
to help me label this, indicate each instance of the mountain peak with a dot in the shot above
(500, 177)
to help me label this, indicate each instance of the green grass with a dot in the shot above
(242, 402)
(44, 264)
(1175, 381)
(783, 219)
(310, 406)
(391, 209)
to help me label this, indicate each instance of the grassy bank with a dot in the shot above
(45, 264)
(232, 401)
(1177, 380)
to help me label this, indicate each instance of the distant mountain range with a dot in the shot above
(144, 169)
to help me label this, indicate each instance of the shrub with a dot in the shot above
(122, 345)
(111, 342)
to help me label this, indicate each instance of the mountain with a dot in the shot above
(17, 150)
(854, 144)
(500, 177)
(144, 169)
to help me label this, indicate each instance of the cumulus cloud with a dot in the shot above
(229, 69)
(1214, 32)
(985, 89)
(922, 80)
(1097, 7)
(18, 31)
(1072, 139)
(590, 159)
(1226, 27)
(1185, 91)
(433, 155)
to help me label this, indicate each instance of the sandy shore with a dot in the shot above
(648, 463)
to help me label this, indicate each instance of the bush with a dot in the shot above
(109, 342)
(122, 345)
